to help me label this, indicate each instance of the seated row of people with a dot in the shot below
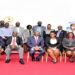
(53, 46)
(35, 39)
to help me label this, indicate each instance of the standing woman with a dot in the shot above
(53, 45)
(69, 46)
(46, 33)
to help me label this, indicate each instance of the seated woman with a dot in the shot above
(69, 46)
(53, 45)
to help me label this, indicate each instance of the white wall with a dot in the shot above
(55, 12)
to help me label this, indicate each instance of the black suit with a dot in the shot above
(18, 41)
(62, 35)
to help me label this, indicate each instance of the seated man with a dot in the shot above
(36, 43)
(14, 42)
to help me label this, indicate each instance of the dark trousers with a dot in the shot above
(41, 52)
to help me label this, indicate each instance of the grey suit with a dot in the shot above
(41, 29)
(19, 48)
(27, 35)
(20, 33)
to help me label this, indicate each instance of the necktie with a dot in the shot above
(36, 39)
(30, 33)
(58, 33)
(14, 41)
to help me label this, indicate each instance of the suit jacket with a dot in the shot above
(48, 43)
(27, 35)
(31, 42)
(18, 41)
(21, 31)
(47, 35)
(35, 28)
(62, 34)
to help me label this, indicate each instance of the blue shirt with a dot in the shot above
(6, 32)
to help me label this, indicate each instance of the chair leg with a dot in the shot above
(60, 57)
(42, 58)
(46, 57)
(63, 54)
(28, 57)
(65, 57)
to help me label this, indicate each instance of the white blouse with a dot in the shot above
(53, 41)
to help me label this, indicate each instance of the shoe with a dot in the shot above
(33, 59)
(21, 61)
(37, 59)
(71, 60)
(54, 61)
(2, 52)
(7, 61)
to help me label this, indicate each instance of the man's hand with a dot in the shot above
(12, 46)
(36, 48)
(72, 48)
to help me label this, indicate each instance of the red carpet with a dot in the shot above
(35, 68)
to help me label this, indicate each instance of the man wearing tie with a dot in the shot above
(61, 35)
(14, 43)
(36, 43)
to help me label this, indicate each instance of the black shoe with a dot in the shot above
(71, 60)
(37, 59)
(21, 61)
(33, 59)
(7, 61)
(2, 52)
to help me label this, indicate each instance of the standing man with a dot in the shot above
(39, 28)
(61, 35)
(19, 30)
(7, 32)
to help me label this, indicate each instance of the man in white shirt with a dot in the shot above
(20, 30)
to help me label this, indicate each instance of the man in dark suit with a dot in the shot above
(14, 43)
(61, 34)
(36, 43)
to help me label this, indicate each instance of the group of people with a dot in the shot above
(37, 38)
